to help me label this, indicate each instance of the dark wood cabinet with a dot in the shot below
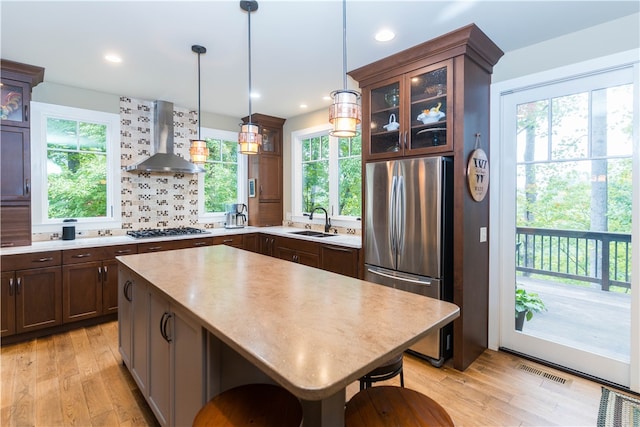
(8, 300)
(267, 244)
(174, 244)
(452, 74)
(340, 259)
(265, 168)
(31, 292)
(250, 242)
(235, 240)
(90, 281)
(15, 153)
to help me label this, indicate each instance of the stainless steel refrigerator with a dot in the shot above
(407, 226)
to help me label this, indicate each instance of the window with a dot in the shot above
(224, 180)
(76, 158)
(326, 173)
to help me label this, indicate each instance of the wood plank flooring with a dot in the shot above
(78, 379)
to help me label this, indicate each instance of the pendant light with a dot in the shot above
(345, 113)
(198, 149)
(249, 137)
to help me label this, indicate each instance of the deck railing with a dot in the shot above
(590, 256)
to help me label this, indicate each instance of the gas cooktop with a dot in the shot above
(163, 232)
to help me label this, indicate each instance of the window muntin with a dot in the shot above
(326, 172)
(224, 180)
(75, 167)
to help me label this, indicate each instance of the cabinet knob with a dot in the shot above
(43, 259)
(80, 256)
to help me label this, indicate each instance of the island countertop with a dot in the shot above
(312, 331)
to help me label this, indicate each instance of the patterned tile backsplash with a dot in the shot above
(158, 199)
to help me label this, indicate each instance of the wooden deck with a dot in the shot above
(582, 317)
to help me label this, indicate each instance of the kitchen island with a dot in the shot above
(263, 319)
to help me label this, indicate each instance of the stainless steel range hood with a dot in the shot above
(163, 159)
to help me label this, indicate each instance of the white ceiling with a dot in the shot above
(297, 45)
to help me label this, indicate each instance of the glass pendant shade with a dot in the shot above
(249, 138)
(345, 114)
(198, 151)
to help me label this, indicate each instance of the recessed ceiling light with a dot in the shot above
(385, 35)
(303, 105)
(255, 95)
(326, 98)
(110, 57)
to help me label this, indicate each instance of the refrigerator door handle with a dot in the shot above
(404, 279)
(392, 216)
(400, 211)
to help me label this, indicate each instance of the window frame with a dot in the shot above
(296, 179)
(242, 183)
(40, 112)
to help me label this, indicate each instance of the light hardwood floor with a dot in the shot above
(78, 379)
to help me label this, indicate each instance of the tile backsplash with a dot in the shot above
(155, 199)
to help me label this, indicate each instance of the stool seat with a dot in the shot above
(384, 372)
(387, 406)
(251, 405)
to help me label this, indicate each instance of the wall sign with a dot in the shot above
(478, 172)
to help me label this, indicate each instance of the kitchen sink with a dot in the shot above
(312, 233)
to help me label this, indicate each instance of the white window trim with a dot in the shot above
(39, 113)
(296, 178)
(219, 217)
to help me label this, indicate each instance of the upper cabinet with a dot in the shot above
(265, 173)
(409, 114)
(413, 101)
(17, 80)
(15, 92)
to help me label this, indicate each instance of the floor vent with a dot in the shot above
(541, 373)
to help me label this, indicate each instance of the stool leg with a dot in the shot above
(401, 378)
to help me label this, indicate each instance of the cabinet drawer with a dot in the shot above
(235, 240)
(298, 245)
(174, 244)
(113, 251)
(33, 260)
(75, 256)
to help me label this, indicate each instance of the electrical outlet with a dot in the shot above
(483, 234)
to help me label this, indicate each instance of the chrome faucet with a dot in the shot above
(327, 221)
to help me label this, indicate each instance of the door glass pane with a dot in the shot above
(573, 236)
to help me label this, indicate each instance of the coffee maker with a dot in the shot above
(236, 215)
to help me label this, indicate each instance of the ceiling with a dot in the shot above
(296, 45)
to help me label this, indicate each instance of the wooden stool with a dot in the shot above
(394, 406)
(387, 371)
(251, 405)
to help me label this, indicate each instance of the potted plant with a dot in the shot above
(527, 303)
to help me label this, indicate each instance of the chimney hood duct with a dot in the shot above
(163, 159)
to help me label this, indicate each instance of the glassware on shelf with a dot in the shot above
(392, 98)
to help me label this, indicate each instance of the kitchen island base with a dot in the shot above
(197, 322)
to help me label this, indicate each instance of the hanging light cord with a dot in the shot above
(249, 41)
(344, 43)
(199, 118)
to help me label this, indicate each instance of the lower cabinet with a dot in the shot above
(31, 298)
(340, 259)
(90, 281)
(165, 349)
(298, 251)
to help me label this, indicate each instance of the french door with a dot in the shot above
(568, 202)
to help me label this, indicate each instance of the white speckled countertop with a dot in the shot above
(351, 241)
(312, 331)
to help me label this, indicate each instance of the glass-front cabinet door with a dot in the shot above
(430, 109)
(385, 132)
(270, 141)
(15, 97)
(408, 115)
